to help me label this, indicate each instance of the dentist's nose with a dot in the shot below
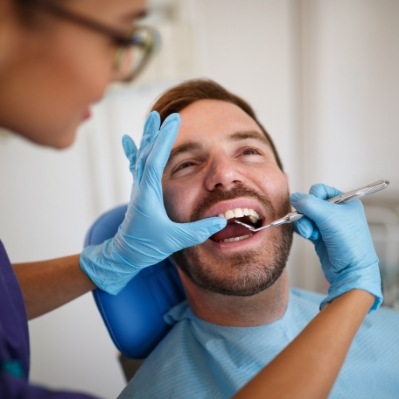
(222, 174)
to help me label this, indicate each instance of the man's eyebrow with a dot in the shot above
(250, 134)
(186, 147)
(236, 136)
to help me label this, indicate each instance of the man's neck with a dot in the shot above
(262, 308)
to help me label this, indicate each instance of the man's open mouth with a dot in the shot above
(234, 232)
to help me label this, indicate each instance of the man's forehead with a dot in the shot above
(214, 117)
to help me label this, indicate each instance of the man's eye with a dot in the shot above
(182, 166)
(251, 151)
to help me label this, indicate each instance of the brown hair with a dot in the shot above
(182, 95)
(27, 13)
(30, 12)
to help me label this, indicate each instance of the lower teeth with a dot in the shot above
(234, 239)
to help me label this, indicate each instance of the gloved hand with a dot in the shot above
(146, 235)
(342, 241)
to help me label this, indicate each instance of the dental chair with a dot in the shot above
(134, 317)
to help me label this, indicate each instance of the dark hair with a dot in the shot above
(30, 12)
(26, 12)
(182, 95)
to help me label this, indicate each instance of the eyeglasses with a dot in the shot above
(134, 51)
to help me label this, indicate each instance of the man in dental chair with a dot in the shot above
(240, 312)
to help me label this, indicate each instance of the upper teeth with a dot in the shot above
(241, 212)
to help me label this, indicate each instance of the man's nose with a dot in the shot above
(222, 174)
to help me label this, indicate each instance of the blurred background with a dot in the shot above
(323, 78)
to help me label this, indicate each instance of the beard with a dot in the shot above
(241, 274)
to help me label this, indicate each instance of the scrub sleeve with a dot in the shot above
(14, 342)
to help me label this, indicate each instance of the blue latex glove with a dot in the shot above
(146, 235)
(342, 241)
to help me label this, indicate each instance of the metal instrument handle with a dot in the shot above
(340, 199)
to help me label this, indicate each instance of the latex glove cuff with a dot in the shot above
(368, 280)
(106, 268)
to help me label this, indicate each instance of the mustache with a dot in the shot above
(221, 195)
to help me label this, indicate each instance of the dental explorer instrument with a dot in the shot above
(340, 199)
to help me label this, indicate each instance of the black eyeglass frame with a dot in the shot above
(148, 46)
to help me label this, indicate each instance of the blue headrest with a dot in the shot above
(134, 317)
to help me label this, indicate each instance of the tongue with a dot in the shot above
(230, 231)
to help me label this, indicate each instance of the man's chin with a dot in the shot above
(243, 274)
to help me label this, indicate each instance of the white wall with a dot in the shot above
(351, 91)
(322, 76)
(350, 86)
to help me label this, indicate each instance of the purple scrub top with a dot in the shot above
(14, 342)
